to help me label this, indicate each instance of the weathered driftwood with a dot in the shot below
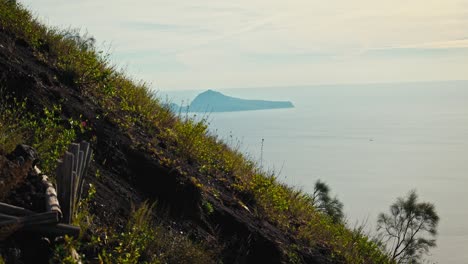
(74, 149)
(70, 178)
(8, 227)
(43, 223)
(14, 210)
(35, 219)
(64, 185)
(60, 201)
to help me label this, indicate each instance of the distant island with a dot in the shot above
(213, 101)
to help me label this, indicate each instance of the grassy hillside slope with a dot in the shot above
(212, 204)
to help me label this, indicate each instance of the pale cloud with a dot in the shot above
(249, 27)
(212, 43)
(448, 44)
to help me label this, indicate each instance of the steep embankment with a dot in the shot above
(128, 173)
(209, 193)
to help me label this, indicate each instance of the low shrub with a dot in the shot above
(143, 242)
(47, 132)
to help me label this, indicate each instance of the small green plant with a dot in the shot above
(207, 207)
(68, 250)
(11, 131)
(65, 252)
(270, 192)
(293, 257)
(143, 242)
(98, 174)
(83, 217)
(170, 246)
(133, 242)
(48, 133)
(51, 136)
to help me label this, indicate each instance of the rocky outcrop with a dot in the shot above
(14, 168)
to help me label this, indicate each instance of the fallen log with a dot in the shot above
(40, 219)
(35, 219)
(11, 224)
(14, 210)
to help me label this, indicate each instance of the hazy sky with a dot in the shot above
(248, 43)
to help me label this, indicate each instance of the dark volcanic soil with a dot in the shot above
(129, 174)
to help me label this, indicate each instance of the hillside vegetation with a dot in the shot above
(205, 202)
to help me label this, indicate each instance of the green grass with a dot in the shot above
(47, 132)
(144, 242)
(134, 241)
(141, 241)
(131, 105)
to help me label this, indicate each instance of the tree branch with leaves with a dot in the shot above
(321, 200)
(409, 230)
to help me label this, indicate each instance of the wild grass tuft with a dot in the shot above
(144, 242)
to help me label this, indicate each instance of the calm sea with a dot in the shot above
(370, 143)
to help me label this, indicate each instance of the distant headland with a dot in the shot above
(213, 101)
